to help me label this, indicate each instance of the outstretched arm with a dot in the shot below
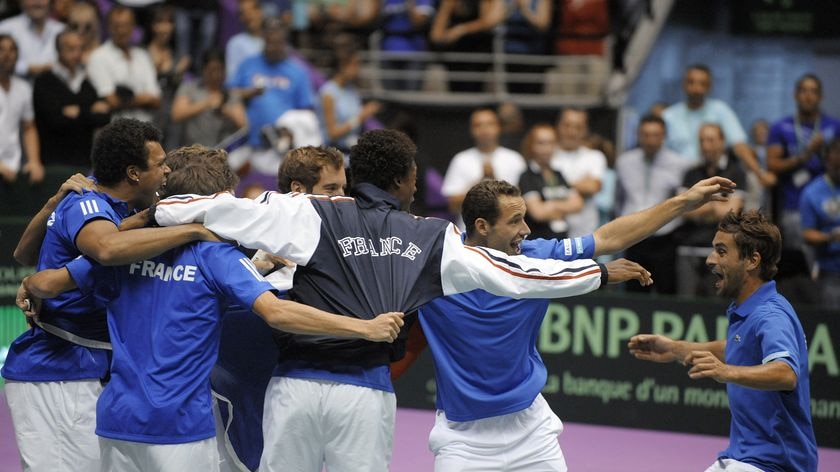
(628, 230)
(295, 317)
(658, 348)
(465, 268)
(29, 246)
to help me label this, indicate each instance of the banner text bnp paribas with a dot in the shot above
(592, 378)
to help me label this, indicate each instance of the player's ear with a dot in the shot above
(482, 226)
(398, 182)
(132, 173)
(296, 186)
(753, 262)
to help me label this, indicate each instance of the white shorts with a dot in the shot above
(129, 456)
(731, 465)
(54, 424)
(311, 423)
(525, 440)
(228, 460)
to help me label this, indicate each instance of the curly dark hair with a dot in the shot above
(120, 144)
(753, 232)
(482, 201)
(380, 157)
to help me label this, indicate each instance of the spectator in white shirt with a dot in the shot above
(124, 74)
(583, 168)
(16, 115)
(34, 32)
(486, 160)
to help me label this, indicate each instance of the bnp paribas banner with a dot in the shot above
(592, 378)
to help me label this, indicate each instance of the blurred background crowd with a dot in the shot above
(595, 108)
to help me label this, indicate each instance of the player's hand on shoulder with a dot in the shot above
(76, 183)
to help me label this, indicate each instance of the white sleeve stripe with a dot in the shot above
(249, 266)
(88, 207)
(775, 355)
(513, 269)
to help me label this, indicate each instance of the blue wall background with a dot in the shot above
(754, 74)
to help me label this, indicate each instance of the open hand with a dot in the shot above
(622, 270)
(714, 189)
(652, 347)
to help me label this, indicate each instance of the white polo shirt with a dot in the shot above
(33, 48)
(575, 165)
(15, 106)
(467, 169)
(109, 67)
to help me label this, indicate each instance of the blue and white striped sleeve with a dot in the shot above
(777, 336)
(465, 268)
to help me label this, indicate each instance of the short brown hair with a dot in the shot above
(304, 164)
(482, 201)
(528, 140)
(200, 170)
(716, 126)
(754, 233)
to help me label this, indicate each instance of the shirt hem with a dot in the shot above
(327, 377)
(458, 418)
(154, 439)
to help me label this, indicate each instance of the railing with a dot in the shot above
(557, 80)
(585, 81)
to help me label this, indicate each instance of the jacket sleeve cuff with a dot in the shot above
(605, 275)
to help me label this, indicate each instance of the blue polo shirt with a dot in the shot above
(819, 208)
(793, 137)
(484, 345)
(38, 356)
(286, 86)
(400, 34)
(771, 430)
(684, 126)
(164, 316)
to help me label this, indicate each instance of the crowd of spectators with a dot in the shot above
(157, 61)
(788, 169)
(67, 68)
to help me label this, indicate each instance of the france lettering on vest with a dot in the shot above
(164, 272)
(391, 245)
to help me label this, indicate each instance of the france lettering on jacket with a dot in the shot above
(163, 272)
(391, 245)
